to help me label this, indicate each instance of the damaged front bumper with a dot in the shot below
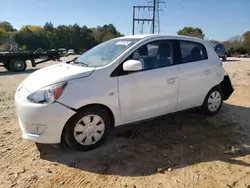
(227, 87)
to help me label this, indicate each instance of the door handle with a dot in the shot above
(171, 80)
(207, 72)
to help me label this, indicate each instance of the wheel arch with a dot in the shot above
(97, 105)
(215, 86)
(102, 106)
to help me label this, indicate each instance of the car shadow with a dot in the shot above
(9, 73)
(172, 141)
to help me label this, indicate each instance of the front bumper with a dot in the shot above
(227, 87)
(41, 123)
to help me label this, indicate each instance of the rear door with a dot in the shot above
(195, 74)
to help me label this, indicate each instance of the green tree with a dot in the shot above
(246, 42)
(214, 41)
(234, 45)
(3, 35)
(191, 31)
(7, 26)
(63, 36)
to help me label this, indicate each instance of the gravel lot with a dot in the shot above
(180, 150)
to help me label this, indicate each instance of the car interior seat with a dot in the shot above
(164, 55)
(195, 54)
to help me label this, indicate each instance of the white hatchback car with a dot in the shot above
(121, 81)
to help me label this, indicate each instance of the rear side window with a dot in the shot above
(192, 51)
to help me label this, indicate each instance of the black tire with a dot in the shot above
(224, 57)
(207, 104)
(7, 66)
(18, 65)
(71, 124)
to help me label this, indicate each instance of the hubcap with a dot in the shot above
(214, 101)
(19, 65)
(89, 129)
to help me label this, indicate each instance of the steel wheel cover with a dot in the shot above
(89, 129)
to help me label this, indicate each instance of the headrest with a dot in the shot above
(196, 51)
(143, 51)
(164, 50)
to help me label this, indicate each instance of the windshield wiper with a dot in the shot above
(76, 62)
(72, 60)
(80, 63)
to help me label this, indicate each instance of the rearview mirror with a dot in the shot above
(132, 65)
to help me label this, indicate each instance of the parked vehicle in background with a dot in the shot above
(221, 51)
(38, 51)
(16, 61)
(119, 82)
(4, 52)
(52, 50)
(71, 52)
(62, 51)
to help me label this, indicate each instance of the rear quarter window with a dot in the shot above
(192, 51)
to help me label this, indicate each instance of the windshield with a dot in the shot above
(106, 52)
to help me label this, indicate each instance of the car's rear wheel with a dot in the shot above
(87, 129)
(213, 101)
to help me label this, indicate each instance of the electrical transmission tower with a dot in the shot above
(154, 19)
(156, 13)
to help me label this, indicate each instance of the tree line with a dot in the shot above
(235, 45)
(79, 38)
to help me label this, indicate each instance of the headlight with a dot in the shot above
(47, 94)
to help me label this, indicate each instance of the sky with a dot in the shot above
(219, 19)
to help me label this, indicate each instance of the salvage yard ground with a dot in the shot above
(180, 150)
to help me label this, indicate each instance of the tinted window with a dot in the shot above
(155, 54)
(192, 51)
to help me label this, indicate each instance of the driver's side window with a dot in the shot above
(154, 54)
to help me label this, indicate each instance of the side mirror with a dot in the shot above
(132, 65)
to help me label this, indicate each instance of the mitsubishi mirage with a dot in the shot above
(120, 81)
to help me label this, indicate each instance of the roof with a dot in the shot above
(158, 35)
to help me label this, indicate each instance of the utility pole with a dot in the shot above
(155, 19)
(153, 23)
(140, 19)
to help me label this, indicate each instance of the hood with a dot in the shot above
(54, 74)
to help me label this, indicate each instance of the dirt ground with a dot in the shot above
(180, 150)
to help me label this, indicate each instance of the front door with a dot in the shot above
(152, 91)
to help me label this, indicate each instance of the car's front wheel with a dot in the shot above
(213, 101)
(87, 129)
